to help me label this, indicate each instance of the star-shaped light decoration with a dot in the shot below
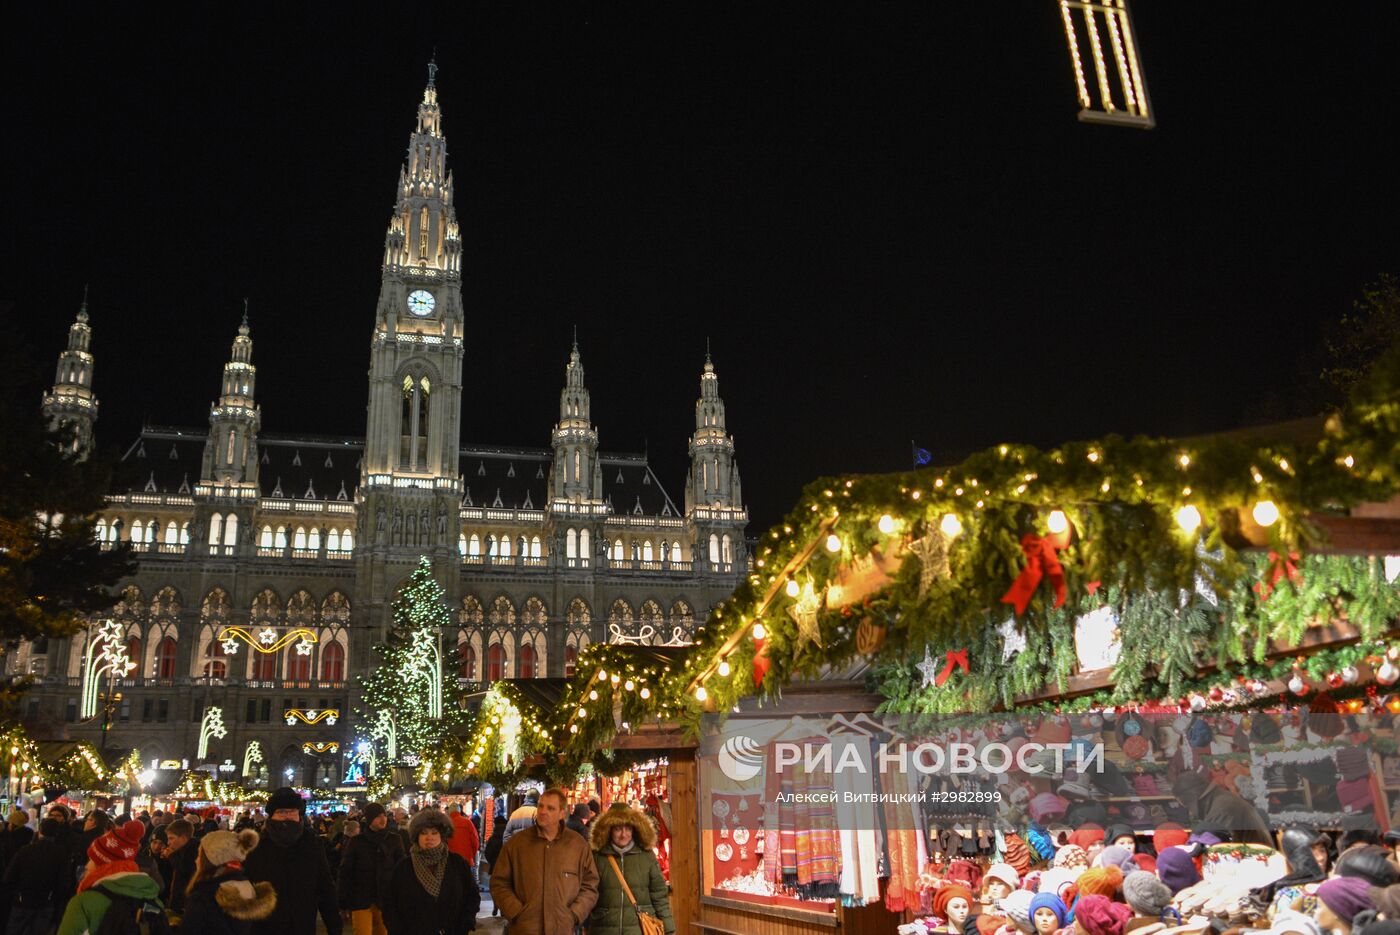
(311, 714)
(268, 636)
(304, 648)
(928, 669)
(291, 719)
(331, 719)
(932, 551)
(804, 613)
(230, 647)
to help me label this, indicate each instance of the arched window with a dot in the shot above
(535, 547)
(474, 545)
(279, 540)
(138, 529)
(133, 652)
(166, 651)
(413, 425)
(583, 543)
(502, 613)
(618, 553)
(525, 661)
(216, 529)
(347, 541)
(466, 660)
(299, 538)
(185, 533)
(172, 533)
(646, 551)
(505, 546)
(264, 666)
(726, 549)
(333, 541)
(231, 529)
(298, 666)
(714, 548)
(335, 610)
(570, 661)
(333, 663)
(675, 552)
(265, 540)
(471, 614)
(462, 544)
(651, 621)
(313, 539)
(100, 530)
(215, 665)
(495, 663)
(619, 619)
(571, 544)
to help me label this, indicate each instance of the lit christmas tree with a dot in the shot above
(403, 697)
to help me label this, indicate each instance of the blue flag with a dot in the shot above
(921, 455)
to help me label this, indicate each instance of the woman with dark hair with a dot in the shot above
(1370, 863)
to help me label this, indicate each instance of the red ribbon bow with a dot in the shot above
(956, 657)
(1041, 561)
(761, 662)
(1279, 568)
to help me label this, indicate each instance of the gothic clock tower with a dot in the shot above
(409, 485)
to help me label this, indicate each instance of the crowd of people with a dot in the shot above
(1096, 880)
(367, 871)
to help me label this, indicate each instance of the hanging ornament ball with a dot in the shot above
(1350, 675)
(1198, 702)
(1258, 687)
(1230, 697)
(1217, 694)
(1387, 674)
(1334, 680)
(1393, 653)
(1297, 685)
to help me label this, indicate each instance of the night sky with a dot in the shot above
(887, 220)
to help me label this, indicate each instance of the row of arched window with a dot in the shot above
(301, 538)
(502, 545)
(147, 531)
(328, 664)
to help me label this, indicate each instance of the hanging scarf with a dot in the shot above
(429, 867)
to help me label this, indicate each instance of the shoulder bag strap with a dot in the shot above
(623, 880)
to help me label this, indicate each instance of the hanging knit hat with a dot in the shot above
(1052, 902)
(948, 893)
(1087, 834)
(226, 847)
(1147, 895)
(1346, 896)
(119, 844)
(1101, 881)
(1117, 856)
(1168, 834)
(1099, 915)
(1003, 872)
(1047, 805)
(1176, 869)
(1017, 907)
(966, 873)
(1072, 857)
(1018, 854)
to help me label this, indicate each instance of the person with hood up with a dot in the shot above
(1303, 870)
(293, 861)
(623, 839)
(38, 880)
(112, 879)
(365, 869)
(1215, 805)
(222, 900)
(432, 892)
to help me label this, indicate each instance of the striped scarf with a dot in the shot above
(429, 867)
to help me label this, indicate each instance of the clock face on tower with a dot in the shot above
(421, 302)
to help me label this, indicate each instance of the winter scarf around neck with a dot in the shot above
(429, 867)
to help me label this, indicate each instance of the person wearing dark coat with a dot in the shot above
(623, 837)
(176, 863)
(431, 892)
(222, 900)
(39, 879)
(293, 860)
(366, 866)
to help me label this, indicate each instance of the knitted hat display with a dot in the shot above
(1046, 807)
(1325, 716)
(1058, 882)
(1003, 872)
(226, 847)
(1198, 735)
(1264, 730)
(986, 923)
(1087, 834)
(285, 797)
(1018, 854)
(1355, 794)
(946, 894)
(1100, 881)
(1346, 896)
(1176, 869)
(1099, 915)
(1353, 763)
(1017, 907)
(118, 844)
(1117, 856)
(1146, 894)
(1072, 857)
(1049, 901)
(1168, 834)
(965, 872)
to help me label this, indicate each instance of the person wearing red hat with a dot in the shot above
(111, 874)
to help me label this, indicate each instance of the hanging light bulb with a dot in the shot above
(593, 695)
(701, 694)
(645, 693)
(1057, 522)
(833, 543)
(759, 632)
(724, 669)
(793, 589)
(630, 685)
(887, 524)
(950, 525)
(1188, 518)
(1265, 513)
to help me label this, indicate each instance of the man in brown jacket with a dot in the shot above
(545, 881)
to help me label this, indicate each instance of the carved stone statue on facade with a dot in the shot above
(397, 538)
(381, 526)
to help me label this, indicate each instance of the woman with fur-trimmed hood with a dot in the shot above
(431, 891)
(623, 838)
(222, 900)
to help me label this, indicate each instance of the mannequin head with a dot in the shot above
(958, 908)
(1045, 921)
(995, 889)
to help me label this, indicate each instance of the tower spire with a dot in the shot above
(423, 232)
(432, 69)
(70, 402)
(714, 477)
(230, 453)
(576, 475)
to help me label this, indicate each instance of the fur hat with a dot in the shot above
(1147, 895)
(226, 847)
(244, 900)
(429, 818)
(1017, 907)
(643, 831)
(286, 797)
(118, 844)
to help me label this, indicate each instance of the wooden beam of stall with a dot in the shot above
(793, 565)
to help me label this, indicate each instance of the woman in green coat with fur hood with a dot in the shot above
(626, 836)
